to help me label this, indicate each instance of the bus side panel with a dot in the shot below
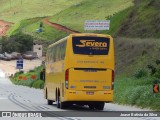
(54, 78)
(48, 86)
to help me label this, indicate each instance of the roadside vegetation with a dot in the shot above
(138, 90)
(135, 53)
(137, 72)
(19, 43)
(143, 21)
(30, 79)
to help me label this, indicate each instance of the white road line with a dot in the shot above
(2, 98)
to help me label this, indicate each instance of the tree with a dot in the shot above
(17, 43)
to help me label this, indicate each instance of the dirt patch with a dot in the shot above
(4, 26)
(59, 27)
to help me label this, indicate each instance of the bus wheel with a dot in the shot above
(58, 101)
(50, 102)
(62, 105)
(91, 107)
(99, 105)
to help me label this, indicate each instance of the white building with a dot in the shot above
(38, 49)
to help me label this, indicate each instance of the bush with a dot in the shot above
(28, 83)
(140, 73)
(18, 73)
(30, 79)
(157, 74)
(136, 92)
(19, 43)
(38, 84)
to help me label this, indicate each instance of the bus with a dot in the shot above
(80, 70)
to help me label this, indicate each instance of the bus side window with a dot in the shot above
(63, 49)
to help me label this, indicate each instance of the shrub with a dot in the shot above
(18, 73)
(38, 84)
(33, 77)
(30, 79)
(24, 78)
(157, 74)
(140, 73)
(19, 43)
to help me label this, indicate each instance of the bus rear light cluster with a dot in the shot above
(112, 79)
(66, 78)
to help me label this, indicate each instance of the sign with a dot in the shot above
(19, 64)
(96, 25)
(155, 88)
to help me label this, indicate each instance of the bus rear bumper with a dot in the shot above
(72, 95)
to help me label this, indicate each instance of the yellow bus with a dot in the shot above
(80, 70)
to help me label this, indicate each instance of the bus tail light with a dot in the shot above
(66, 78)
(112, 79)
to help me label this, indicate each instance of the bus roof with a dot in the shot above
(79, 34)
(59, 41)
(90, 34)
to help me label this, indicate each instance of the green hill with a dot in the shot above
(16, 10)
(143, 21)
(127, 20)
(74, 17)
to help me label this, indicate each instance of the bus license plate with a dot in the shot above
(90, 93)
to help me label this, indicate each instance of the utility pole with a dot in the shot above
(21, 2)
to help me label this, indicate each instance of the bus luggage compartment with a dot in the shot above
(90, 79)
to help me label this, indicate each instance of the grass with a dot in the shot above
(16, 10)
(116, 20)
(49, 33)
(19, 26)
(133, 53)
(137, 92)
(143, 21)
(29, 26)
(89, 10)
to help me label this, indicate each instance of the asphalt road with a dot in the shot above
(23, 99)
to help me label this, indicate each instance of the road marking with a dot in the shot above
(2, 98)
(43, 107)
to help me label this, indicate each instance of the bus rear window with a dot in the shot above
(90, 45)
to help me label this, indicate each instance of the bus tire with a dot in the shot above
(62, 105)
(46, 94)
(99, 105)
(50, 102)
(58, 101)
(91, 107)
